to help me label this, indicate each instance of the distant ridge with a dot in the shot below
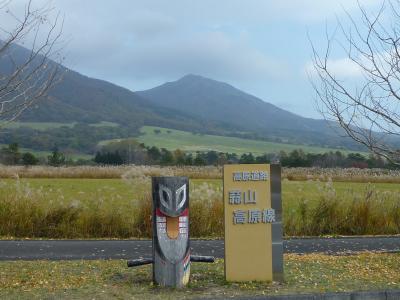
(216, 101)
(78, 98)
(219, 101)
(191, 103)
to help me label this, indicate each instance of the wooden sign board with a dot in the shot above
(253, 222)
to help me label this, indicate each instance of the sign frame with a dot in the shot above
(269, 251)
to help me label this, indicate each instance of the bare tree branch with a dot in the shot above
(25, 81)
(367, 108)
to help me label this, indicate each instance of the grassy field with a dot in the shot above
(187, 141)
(37, 153)
(88, 190)
(36, 125)
(45, 154)
(120, 208)
(50, 125)
(313, 273)
(197, 172)
(105, 124)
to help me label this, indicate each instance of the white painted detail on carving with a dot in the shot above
(182, 225)
(181, 190)
(161, 219)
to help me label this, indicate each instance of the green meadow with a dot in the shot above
(187, 141)
(89, 190)
(36, 125)
(177, 139)
(50, 125)
(45, 154)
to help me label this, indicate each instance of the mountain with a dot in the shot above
(213, 100)
(78, 98)
(192, 103)
(216, 101)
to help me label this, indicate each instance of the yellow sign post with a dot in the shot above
(253, 222)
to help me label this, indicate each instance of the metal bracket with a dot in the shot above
(139, 262)
(147, 261)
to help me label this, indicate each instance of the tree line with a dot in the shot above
(131, 152)
(12, 155)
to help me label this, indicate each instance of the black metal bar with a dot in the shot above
(200, 258)
(139, 262)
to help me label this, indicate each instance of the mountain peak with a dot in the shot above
(217, 101)
(194, 78)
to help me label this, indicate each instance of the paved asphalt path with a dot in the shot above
(129, 249)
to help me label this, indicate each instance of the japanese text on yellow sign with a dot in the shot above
(248, 219)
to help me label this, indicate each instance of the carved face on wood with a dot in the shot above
(171, 199)
(171, 225)
(172, 202)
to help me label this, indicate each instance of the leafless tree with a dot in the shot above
(366, 107)
(25, 81)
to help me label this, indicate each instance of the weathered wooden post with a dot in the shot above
(171, 251)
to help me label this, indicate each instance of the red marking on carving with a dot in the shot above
(187, 258)
(160, 214)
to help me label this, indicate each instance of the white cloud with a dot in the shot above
(256, 43)
(341, 67)
(344, 67)
(315, 11)
(213, 54)
(225, 11)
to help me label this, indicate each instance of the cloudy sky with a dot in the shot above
(259, 46)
